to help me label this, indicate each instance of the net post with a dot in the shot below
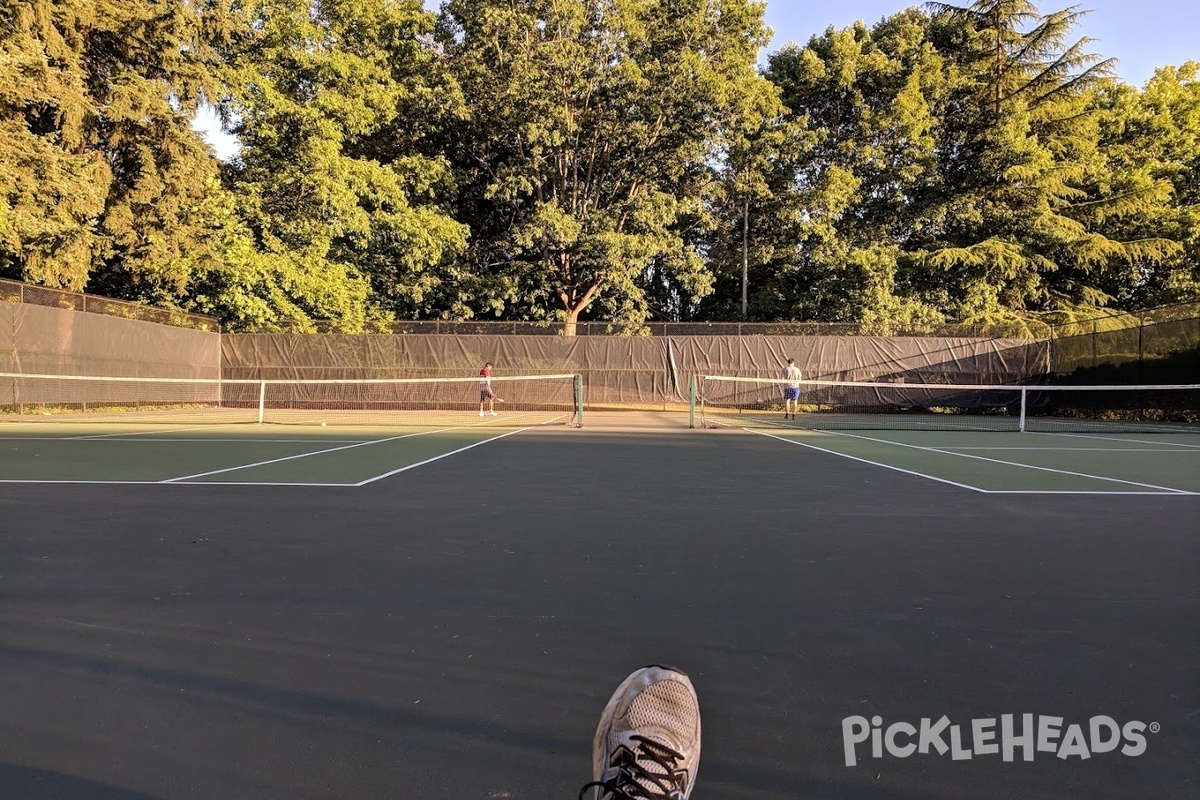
(692, 401)
(262, 400)
(579, 400)
(1024, 402)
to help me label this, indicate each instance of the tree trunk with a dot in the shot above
(573, 305)
(571, 322)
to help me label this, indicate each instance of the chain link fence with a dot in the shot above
(555, 328)
(17, 292)
(1159, 345)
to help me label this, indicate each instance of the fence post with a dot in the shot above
(692, 401)
(579, 401)
(1141, 356)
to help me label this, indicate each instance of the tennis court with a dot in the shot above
(235, 454)
(1020, 463)
(356, 456)
(247, 611)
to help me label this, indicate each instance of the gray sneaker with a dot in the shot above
(647, 744)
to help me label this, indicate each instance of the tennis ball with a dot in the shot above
(322, 424)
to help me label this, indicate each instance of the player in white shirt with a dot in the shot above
(791, 392)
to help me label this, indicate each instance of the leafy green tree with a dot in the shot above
(1016, 228)
(335, 103)
(99, 166)
(1150, 141)
(593, 133)
(955, 170)
(844, 194)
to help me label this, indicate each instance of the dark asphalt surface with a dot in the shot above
(454, 632)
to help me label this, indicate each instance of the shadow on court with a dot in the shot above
(21, 782)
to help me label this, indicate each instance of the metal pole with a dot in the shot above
(692, 402)
(745, 257)
(579, 401)
(1141, 364)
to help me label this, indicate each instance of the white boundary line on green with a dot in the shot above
(438, 457)
(949, 448)
(161, 483)
(188, 480)
(103, 436)
(868, 461)
(177, 440)
(1116, 439)
(1173, 492)
(1164, 489)
(269, 461)
(1085, 491)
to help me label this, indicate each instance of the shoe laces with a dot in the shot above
(652, 772)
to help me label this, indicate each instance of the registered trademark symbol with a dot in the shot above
(1155, 727)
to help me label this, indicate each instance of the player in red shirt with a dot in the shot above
(486, 397)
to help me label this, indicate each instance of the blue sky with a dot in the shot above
(1142, 34)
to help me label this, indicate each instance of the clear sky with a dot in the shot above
(1142, 34)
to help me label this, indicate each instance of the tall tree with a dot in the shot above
(1150, 142)
(99, 167)
(1018, 231)
(594, 128)
(845, 193)
(955, 171)
(334, 101)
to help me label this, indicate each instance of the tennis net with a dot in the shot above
(760, 402)
(418, 402)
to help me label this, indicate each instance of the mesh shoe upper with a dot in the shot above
(647, 744)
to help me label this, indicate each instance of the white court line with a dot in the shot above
(302, 455)
(101, 483)
(183, 481)
(142, 433)
(1116, 439)
(161, 483)
(1082, 491)
(245, 440)
(482, 423)
(1167, 489)
(1074, 449)
(868, 461)
(439, 457)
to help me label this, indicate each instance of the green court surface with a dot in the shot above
(1022, 462)
(230, 454)
(265, 455)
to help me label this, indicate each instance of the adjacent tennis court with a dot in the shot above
(235, 454)
(1021, 463)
